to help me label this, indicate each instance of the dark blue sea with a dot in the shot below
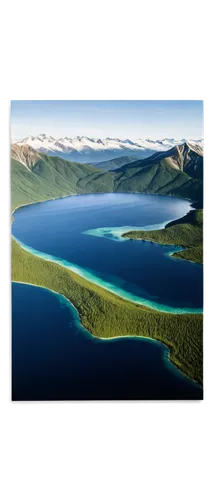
(54, 358)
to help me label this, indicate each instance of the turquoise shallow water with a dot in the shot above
(115, 233)
(55, 358)
(84, 233)
(111, 287)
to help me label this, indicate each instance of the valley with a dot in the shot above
(36, 176)
(178, 172)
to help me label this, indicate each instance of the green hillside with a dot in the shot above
(36, 176)
(156, 178)
(177, 172)
(159, 174)
(114, 163)
(49, 177)
(194, 168)
(186, 158)
(186, 232)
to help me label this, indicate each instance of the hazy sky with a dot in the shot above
(123, 119)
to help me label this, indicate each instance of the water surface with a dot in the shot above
(55, 358)
(85, 231)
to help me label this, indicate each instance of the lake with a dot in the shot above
(53, 355)
(138, 270)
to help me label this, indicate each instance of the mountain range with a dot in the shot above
(87, 150)
(36, 176)
(177, 172)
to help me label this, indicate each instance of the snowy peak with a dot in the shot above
(187, 147)
(85, 149)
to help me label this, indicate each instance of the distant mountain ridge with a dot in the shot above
(114, 163)
(37, 177)
(85, 149)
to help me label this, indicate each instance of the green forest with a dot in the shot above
(179, 172)
(106, 315)
(50, 177)
(186, 232)
(37, 176)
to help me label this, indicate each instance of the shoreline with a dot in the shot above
(162, 243)
(104, 192)
(164, 309)
(172, 255)
(169, 254)
(172, 364)
(42, 201)
(149, 304)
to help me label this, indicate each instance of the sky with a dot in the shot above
(123, 119)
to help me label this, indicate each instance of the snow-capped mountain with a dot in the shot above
(85, 149)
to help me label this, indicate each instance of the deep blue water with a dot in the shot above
(140, 268)
(54, 358)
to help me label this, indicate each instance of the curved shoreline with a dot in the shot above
(189, 244)
(192, 203)
(166, 359)
(108, 286)
(171, 363)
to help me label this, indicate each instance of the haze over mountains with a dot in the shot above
(114, 163)
(37, 176)
(87, 150)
